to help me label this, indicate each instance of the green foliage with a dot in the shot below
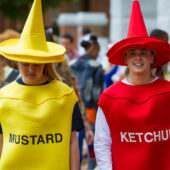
(18, 9)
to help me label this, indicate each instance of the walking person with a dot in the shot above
(133, 120)
(162, 35)
(90, 77)
(38, 113)
(67, 40)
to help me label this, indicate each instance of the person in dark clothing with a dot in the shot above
(90, 76)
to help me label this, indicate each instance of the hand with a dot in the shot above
(89, 136)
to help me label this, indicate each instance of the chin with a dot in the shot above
(30, 81)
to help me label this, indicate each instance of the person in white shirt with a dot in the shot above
(129, 130)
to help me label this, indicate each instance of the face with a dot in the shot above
(94, 51)
(67, 44)
(32, 74)
(139, 60)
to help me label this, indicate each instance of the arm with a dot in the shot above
(88, 131)
(102, 142)
(74, 152)
(1, 143)
(98, 84)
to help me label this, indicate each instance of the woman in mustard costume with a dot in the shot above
(39, 114)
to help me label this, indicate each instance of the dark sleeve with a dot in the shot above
(77, 120)
(98, 84)
(0, 129)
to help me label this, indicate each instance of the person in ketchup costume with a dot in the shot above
(133, 117)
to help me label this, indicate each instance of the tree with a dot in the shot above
(18, 9)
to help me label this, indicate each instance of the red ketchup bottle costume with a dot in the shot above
(138, 116)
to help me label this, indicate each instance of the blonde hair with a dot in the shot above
(50, 72)
(9, 34)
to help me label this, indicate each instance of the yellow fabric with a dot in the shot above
(32, 46)
(36, 123)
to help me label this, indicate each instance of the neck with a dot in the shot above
(139, 79)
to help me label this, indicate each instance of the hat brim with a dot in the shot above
(10, 50)
(162, 49)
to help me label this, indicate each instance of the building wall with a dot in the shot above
(102, 6)
(156, 14)
(163, 13)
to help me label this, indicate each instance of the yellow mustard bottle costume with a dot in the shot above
(36, 123)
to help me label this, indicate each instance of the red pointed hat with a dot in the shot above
(137, 37)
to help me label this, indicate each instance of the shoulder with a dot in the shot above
(93, 63)
(60, 88)
(136, 93)
(7, 88)
(162, 82)
(80, 63)
(38, 94)
(112, 90)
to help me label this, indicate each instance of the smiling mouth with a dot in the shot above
(138, 65)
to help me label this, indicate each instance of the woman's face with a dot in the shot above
(139, 60)
(94, 51)
(32, 74)
(67, 44)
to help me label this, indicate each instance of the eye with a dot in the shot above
(25, 64)
(132, 53)
(37, 65)
(143, 53)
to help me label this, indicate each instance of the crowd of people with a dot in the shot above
(57, 102)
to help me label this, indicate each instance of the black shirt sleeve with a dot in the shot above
(0, 129)
(77, 121)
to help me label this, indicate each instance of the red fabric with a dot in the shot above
(136, 23)
(137, 37)
(139, 121)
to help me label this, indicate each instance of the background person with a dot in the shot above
(90, 76)
(85, 36)
(162, 35)
(67, 40)
(10, 71)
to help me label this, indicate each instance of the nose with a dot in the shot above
(138, 56)
(31, 68)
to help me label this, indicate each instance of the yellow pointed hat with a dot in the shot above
(32, 46)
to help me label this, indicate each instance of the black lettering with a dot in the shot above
(33, 139)
(17, 136)
(49, 137)
(40, 139)
(11, 138)
(58, 137)
(25, 140)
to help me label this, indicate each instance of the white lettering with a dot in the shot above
(163, 137)
(157, 136)
(123, 137)
(132, 137)
(146, 139)
(139, 136)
